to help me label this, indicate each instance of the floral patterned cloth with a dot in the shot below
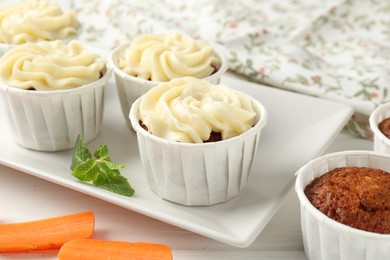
(334, 49)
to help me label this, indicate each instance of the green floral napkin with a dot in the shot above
(337, 50)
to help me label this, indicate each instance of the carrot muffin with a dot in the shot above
(355, 196)
(53, 92)
(194, 111)
(181, 116)
(32, 21)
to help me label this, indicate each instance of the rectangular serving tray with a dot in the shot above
(299, 129)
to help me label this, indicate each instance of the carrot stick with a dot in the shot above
(47, 233)
(92, 249)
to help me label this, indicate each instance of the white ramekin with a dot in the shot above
(198, 174)
(52, 120)
(130, 88)
(381, 142)
(325, 238)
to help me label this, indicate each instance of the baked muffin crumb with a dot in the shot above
(384, 127)
(355, 196)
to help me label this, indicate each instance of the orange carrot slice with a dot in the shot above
(47, 233)
(92, 249)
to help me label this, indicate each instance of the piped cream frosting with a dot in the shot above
(51, 65)
(32, 21)
(165, 57)
(189, 109)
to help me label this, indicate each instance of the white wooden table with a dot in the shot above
(24, 197)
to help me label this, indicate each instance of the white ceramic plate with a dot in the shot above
(299, 128)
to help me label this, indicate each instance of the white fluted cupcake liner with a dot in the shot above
(381, 142)
(198, 174)
(131, 88)
(52, 120)
(325, 238)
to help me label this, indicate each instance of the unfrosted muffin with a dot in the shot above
(179, 164)
(151, 59)
(355, 196)
(53, 92)
(352, 186)
(32, 21)
(384, 127)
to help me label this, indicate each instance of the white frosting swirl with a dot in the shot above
(189, 109)
(165, 57)
(33, 21)
(50, 66)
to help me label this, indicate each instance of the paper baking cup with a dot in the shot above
(381, 142)
(198, 174)
(52, 120)
(325, 238)
(130, 88)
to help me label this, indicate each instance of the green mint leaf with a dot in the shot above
(102, 153)
(86, 171)
(80, 153)
(113, 181)
(102, 172)
(121, 189)
(114, 166)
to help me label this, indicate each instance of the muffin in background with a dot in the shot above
(381, 141)
(151, 59)
(164, 57)
(384, 127)
(180, 167)
(33, 21)
(53, 92)
(325, 238)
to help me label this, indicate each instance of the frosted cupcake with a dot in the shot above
(338, 233)
(174, 123)
(52, 93)
(151, 59)
(33, 21)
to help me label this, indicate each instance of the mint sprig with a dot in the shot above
(102, 172)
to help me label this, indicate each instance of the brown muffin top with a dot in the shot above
(384, 127)
(355, 196)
